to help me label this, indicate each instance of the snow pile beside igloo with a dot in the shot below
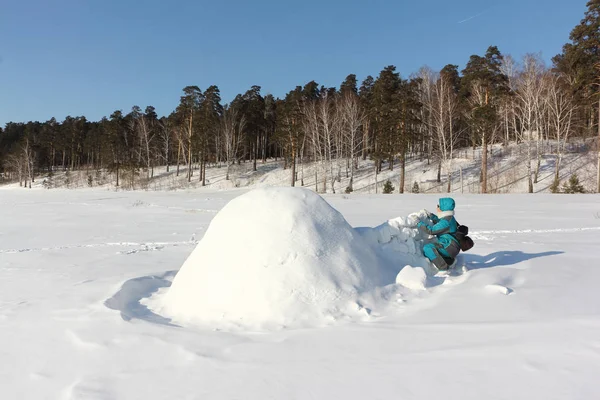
(399, 243)
(273, 257)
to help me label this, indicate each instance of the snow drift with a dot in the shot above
(293, 260)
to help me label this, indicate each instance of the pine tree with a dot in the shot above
(388, 188)
(408, 122)
(289, 132)
(580, 60)
(484, 84)
(365, 95)
(210, 112)
(386, 113)
(188, 107)
(574, 186)
(252, 105)
(349, 85)
(415, 188)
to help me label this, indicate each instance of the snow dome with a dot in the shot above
(273, 258)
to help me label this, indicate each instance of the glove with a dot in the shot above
(420, 224)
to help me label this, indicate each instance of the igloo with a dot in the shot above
(273, 258)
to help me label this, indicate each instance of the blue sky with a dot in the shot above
(83, 57)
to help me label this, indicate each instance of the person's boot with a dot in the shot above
(450, 261)
(439, 263)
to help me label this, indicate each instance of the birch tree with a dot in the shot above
(444, 113)
(561, 111)
(233, 124)
(352, 117)
(528, 96)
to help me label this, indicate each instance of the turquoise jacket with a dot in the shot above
(445, 224)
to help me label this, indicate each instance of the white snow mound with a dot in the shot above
(412, 278)
(273, 258)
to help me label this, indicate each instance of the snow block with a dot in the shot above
(413, 278)
(494, 288)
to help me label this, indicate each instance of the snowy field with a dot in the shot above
(521, 321)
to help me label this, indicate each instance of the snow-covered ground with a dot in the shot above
(521, 322)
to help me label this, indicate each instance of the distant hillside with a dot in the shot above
(507, 174)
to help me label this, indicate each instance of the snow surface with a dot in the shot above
(520, 321)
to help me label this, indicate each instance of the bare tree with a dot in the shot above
(479, 100)
(561, 111)
(352, 117)
(426, 97)
(322, 123)
(528, 98)
(181, 145)
(597, 66)
(444, 112)
(328, 124)
(232, 128)
(15, 164)
(28, 160)
(311, 127)
(146, 134)
(165, 133)
(507, 106)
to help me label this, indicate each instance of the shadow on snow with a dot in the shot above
(502, 258)
(127, 299)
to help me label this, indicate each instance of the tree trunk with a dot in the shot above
(557, 167)
(255, 152)
(598, 167)
(538, 156)
(365, 140)
(167, 156)
(189, 163)
(484, 155)
(351, 175)
(324, 173)
(200, 159)
(375, 178)
(293, 160)
(529, 181)
(537, 170)
(402, 171)
(178, 156)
